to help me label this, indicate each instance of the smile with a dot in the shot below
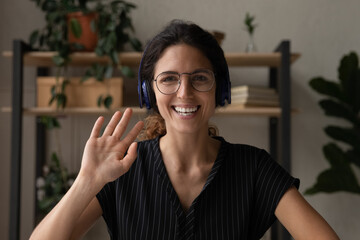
(186, 111)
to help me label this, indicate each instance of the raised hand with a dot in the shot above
(104, 158)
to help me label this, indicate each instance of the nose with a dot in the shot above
(185, 90)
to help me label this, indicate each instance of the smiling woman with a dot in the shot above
(183, 183)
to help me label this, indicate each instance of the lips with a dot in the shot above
(186, 111)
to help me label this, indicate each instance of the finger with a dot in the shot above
(95, 132)
(134, 132)
(121, 127)
(112, 124)
(130, 157)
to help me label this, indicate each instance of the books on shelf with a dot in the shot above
(248, 95)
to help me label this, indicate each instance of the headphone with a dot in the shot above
(223, 92)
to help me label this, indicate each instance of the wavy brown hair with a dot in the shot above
(155, 126)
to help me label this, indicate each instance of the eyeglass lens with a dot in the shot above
(169, 82)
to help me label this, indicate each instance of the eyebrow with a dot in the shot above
(195, 71)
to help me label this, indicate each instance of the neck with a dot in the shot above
(186, 151)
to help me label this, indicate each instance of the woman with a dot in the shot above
(185, 183)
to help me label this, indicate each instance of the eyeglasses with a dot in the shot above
(169, 82)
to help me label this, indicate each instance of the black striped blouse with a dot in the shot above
(238, 200)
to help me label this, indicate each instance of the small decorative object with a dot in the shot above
(342, 102)
(250, 28)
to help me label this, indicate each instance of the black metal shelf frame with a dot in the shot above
(279, 130)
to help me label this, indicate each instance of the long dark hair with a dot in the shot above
(178, 32)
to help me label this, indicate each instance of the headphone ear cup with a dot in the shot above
(146, 92)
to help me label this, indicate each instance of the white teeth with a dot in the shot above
(186, 111)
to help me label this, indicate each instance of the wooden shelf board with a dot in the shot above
(251, 111)
(73, 111)
(257, 59)
(133, 58)
(228, 110)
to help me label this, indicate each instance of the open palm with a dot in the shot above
(104, 158)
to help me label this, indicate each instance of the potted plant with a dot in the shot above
(111, 24)
(342, 102)
(250, 28)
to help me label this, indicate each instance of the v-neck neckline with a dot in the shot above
(173, 196)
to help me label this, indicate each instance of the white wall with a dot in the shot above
(322, 31)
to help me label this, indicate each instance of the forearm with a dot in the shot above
(301, 220)
(61, 221)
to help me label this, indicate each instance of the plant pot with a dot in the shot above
(79, 94)
(83, 25)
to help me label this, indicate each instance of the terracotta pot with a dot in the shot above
(88, 37)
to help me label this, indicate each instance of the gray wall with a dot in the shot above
(322, 31)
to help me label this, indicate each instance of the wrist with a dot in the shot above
(88, 184)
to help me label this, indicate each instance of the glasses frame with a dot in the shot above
(189, 74)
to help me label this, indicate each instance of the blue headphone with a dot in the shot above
(223, 92)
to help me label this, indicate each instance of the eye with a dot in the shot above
(200, 77)
(167, 79)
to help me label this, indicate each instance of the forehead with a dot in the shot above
(181, 58)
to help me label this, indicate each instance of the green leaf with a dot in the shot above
(110, 43)
(99, 71)
(33, 38)
(108, 101)
(58, 60)
(99, 101)
(346, 135)
(52, 99)
(64, 84)
(46, 204)
(75, 27)
(77, 46)
(61, 100)
(55, 160)
(110, 26)
(334, 155)
(108, 71)
(127, 71)
(326, 87)
(93, 27)
(50, 122)
(115, 57)
(353, 156)
(337, 109)
(347, 70)
(334, 180)
(53, 90)
(136, 44)
(340, 176)
(356, 101)
(88, 74)
(99, 51)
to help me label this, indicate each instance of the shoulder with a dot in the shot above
(148, 145)
(243, 151)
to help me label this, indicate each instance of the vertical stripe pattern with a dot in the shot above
(238, 200)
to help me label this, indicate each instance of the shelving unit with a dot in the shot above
(278, 63)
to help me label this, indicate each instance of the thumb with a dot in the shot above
(130, 157)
